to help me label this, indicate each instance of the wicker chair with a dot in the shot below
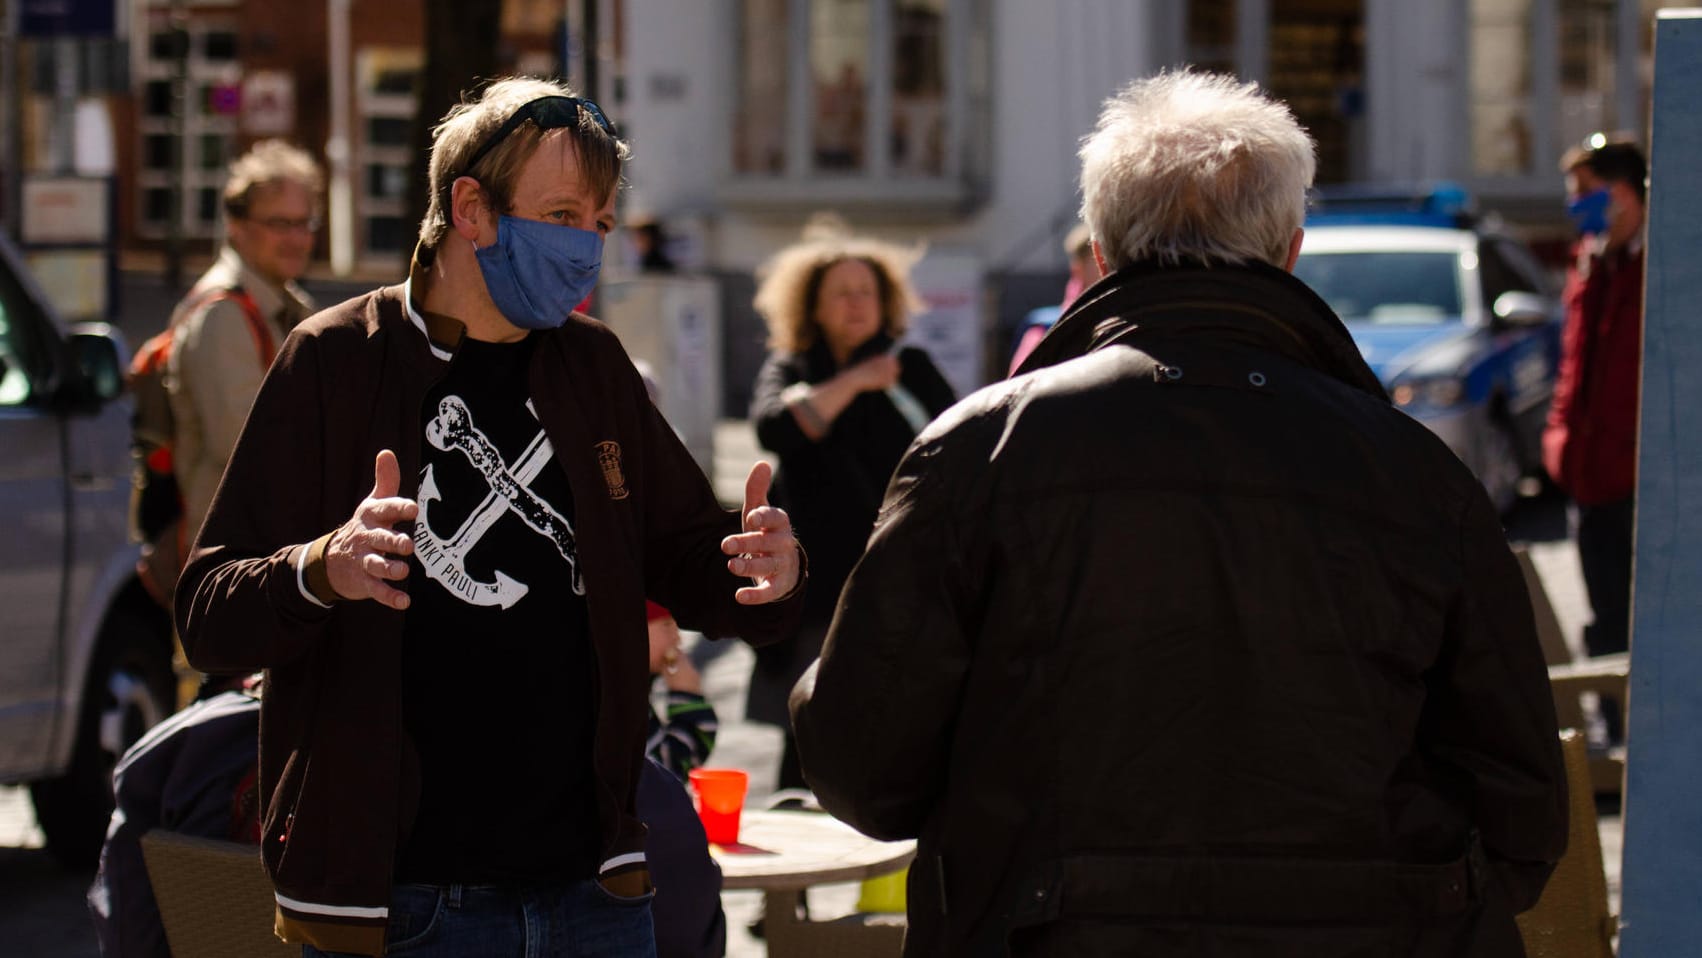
(214, 897)
(1572, 919)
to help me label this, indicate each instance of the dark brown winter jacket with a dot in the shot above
(339, 778)
(1189, 643)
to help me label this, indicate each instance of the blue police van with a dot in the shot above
(1458, 319)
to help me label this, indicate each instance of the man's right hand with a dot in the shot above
(365, 554)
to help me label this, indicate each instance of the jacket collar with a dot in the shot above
(443, 334)
(1251, 303)
(289, 301)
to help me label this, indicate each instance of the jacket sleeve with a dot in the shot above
(873, 716)
(684, 567)
(776, 429)
(1557, 439)
(241, 604)
(1490, 713)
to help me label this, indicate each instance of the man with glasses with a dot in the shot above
(437, 535)
(228, 328)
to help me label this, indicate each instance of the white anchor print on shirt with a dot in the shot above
(444, 560)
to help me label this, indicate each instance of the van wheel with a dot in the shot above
(1503, 467)
(129, 691)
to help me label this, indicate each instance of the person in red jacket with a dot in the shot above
(1590, 443)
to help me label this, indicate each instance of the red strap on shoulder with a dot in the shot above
(257, 326)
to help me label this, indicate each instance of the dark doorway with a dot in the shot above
(1317, 65)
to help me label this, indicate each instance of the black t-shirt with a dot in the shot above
(498, 674)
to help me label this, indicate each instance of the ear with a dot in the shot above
(1294, 250)
(468, 210)
(1099, 259)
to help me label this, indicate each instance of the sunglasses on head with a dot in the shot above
(550, 113)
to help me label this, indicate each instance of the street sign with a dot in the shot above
(224, 99)
(65, 211)
(268, 103)
(65, 18)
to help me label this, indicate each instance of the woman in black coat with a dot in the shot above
(838, 401)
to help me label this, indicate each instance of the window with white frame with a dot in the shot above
(1587, 43)
(869, 100)
(385, 106)
(1528, 104)
(208, 124)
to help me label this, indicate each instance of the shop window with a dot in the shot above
(388, 236)
(874, 101)
(207, 125)
(1502, 143)
(918, 135)
(1317, 55)
(1211, 35)
(156, 152)
(156, 206)
(219, 45)
(388, 130)
(839, 70)
(385, 81)
(386, 181)
(213, 147)
(759, 141)
(1587, 63)
(156, 98)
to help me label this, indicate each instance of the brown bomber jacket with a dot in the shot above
(338, 776)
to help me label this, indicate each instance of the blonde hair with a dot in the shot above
(469, 123)
(1195, 167)
(790, 285)
(266, 164)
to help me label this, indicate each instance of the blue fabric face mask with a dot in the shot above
(1589, 212)
(537, 272)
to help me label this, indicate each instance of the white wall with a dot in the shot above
(1417, 76)
(678, 104)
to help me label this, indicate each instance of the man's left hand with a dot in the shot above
(766, 550)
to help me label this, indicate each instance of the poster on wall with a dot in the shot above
(949, 283)
(65, 210)
(268, 103)
(74, 281)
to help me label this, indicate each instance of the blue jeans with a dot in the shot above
(571, 920)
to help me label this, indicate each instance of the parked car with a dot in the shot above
(1459, 320)
(85, 655)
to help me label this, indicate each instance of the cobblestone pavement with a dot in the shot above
(41, 906)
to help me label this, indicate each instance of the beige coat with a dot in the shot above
(214, 371)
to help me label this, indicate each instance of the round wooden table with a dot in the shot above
(782, 853)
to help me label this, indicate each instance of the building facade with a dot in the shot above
(955, 122)
(947, 122)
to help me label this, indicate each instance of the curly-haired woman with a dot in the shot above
(838, 401)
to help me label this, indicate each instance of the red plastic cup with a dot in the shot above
(720, 798)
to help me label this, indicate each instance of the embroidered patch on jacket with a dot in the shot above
(609, 458)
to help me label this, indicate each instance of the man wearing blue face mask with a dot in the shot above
(456, 676)
(1590, 441)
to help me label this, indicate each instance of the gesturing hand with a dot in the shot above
(765, 551)
(362, 553)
